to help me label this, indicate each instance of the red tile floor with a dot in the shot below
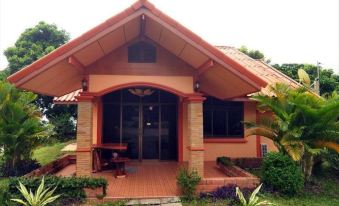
(146, 179)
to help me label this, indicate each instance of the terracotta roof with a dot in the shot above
(258, 67)
(68, 98)
(263, 70)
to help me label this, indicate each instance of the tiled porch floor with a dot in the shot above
(146, 179)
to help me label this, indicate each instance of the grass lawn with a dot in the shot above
(49, 153)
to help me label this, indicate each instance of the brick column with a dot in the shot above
(195, 134)
(84, 136)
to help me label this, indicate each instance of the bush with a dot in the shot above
(70, 188)
(226, 161)
(21, 168)
(281, 174)
(188, 182)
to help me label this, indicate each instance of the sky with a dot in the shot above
(286, 31)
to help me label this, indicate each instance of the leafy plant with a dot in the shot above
(282, 174)
(42, 196)
(302, 123)
(21, 126)
(71, 189)
(226, 161)
(253, 200)
(224, 192)
(188, 182)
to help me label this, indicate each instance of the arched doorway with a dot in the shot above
(145, 119)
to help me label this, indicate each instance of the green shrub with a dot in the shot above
(226, 161)
(71, 189)
(188, 182)
(282, 174)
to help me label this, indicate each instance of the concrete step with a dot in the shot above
(169, 201)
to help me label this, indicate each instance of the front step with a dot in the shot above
(169, 201)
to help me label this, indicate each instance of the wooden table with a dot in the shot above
(111, 146)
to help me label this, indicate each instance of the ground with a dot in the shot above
(49, 153)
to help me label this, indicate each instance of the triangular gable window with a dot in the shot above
(141, 52)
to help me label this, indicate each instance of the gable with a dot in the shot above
(117, 62)
(142, 19)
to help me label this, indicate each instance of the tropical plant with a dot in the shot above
(253, 200)
(43, 196)
(301, 124)
(21, 126)
(188, 182)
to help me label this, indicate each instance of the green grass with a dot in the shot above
(49, 153)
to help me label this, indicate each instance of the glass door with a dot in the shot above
(150, 132)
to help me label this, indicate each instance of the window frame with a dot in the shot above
(209, 105)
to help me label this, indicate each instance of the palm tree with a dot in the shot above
(302, 123)
(21, 128)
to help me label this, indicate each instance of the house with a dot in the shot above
(143, 80)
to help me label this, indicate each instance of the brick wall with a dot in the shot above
(195, 136)
(84, 139)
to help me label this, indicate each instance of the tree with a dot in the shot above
(21, 127)
(302, 123)
(255, 54)
(32, 44)
(329, 81)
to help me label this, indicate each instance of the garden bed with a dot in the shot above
(53, 167)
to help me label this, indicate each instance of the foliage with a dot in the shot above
(329, 81)
(71, 189)
(255, 54)
(21, 128)
(253, 200)
(248, 162)
(188, 182)
(43, 196)
(302, 123)
(22, 167)
(32, 44)
(226, 161)
(224, 192)
(282, 174)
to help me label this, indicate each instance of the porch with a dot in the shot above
(155, 179)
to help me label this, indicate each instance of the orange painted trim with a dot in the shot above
(140, 84)
(99, 122)
(195, 148)
(72, 60)
(225, 140)
(180, 131)
(258, 140)
(237, 67)
(197, 98)
(84, 97)
(84, 150)
(204, 67)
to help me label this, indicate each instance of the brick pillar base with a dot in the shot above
(84, 137)
(195, 134)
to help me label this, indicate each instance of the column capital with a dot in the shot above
(85, 97)
(196, 97)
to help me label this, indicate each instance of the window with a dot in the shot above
(223, 118)
(264, 150)
(141, 52)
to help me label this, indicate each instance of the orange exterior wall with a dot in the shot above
(243, 149)
(100, 83)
